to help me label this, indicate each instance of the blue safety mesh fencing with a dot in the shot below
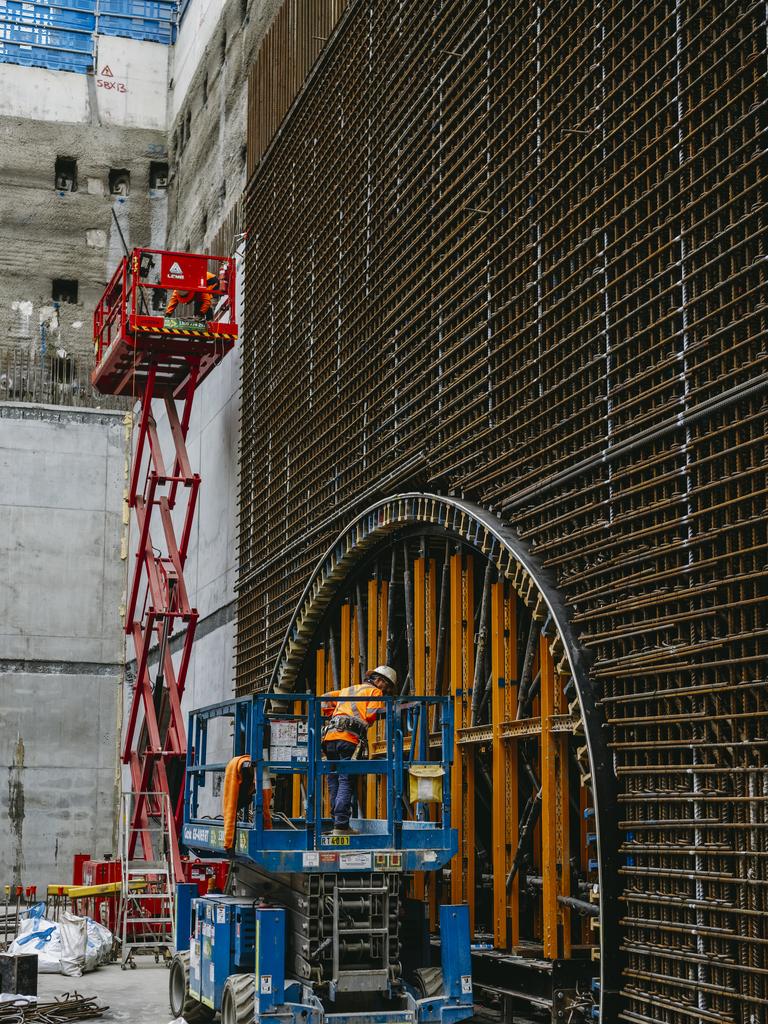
(61, 34)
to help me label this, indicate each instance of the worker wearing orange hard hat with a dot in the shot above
(203, 300)
(349, 718)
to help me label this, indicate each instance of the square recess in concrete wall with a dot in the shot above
(96, 239)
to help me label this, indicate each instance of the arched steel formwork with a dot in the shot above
(444, 591)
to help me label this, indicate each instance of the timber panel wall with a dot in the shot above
(517, 251)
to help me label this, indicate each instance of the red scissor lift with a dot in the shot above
(144, 354)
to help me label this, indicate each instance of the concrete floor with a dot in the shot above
(134, 997)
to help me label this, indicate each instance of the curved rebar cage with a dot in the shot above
(443, 593)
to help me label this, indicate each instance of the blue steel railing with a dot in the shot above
(61, 34)
(408, 723)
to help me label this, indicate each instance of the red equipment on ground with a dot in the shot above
(142, 353)
(104, 907)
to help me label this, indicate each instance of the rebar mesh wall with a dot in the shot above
(285, 58)
(517, 250)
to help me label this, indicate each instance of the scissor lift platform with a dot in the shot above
(302, 842)
(144, 354)
(132, 335)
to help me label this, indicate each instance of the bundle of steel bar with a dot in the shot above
(68, 1007)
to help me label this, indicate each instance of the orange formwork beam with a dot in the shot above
(373, 645)
(462, 650)
(555, 831)
(506, 906)
(424, 650)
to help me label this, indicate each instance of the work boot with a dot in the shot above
(344, 830)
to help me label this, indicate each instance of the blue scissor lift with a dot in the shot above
(312, 929)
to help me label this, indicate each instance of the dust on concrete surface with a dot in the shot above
(139, 996)
(16, 809)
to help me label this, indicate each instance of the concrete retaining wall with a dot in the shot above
(61, 644)
(112, 121)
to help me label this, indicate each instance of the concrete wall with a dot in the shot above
(216, 45)
(61, 643)
(114, 119)
(209, 74)
(129, 89)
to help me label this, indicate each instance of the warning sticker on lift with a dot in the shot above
(466, 984)
(265, 986)
(354, 862)
(311, 859)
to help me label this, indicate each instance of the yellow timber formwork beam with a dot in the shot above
(355, 675)
(419, 643)
(468, 755)
(457, 774)
(506, 906)
(383, 618)
(345, 635)
(555, 838)
(423, 661)
(562, 821)
(373, 646)
(80, 892)
(430, 654)
(296, 779)
(462, 651)
(548, 804)
(323, 674)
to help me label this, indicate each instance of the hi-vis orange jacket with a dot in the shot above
(233, 779)
(364, 707)
(202, 300)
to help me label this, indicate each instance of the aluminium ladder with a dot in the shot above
(147, 893)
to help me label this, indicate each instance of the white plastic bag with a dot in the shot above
(99, 947)
(74, 942)
(36, 935)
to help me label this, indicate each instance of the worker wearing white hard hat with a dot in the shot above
(349, 719)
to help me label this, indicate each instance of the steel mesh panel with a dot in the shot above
(517, 252)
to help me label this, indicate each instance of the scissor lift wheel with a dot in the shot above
(237, 1003)
(183, 1003)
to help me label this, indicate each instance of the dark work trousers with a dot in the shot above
(340, 786)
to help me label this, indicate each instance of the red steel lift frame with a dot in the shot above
(146, 355)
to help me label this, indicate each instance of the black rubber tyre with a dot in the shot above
(238, 999)
(182, 1003)
(428, 982)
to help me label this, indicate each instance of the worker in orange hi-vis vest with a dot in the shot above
(349, 719)
(202, 300)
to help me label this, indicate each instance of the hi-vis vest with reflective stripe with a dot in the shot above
(350, 718)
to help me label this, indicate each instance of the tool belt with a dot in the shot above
(345, 723)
